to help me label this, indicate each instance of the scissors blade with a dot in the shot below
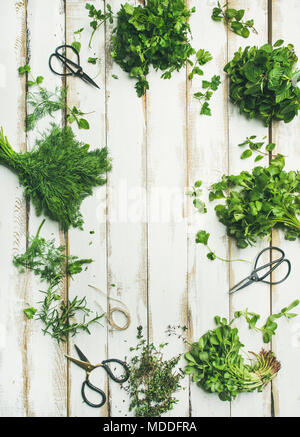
(83, 364)
(242, 284)
(81, 354)
(87, 78)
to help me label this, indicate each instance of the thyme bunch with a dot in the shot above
(153, 380)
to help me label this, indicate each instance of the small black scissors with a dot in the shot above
(273, 265)
(76, 71)
(88, 367)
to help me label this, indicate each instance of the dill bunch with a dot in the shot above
(58, 173)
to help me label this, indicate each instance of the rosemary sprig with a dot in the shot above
(52, 265)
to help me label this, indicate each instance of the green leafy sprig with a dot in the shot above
(255, 147)
(269, 328)
(77, 44)
(204, 97)
(234, 17)
(195, 193)
(202, 237)
(98, 18)
(45, 102)
(202, 57)
(263, 82)
(153, 380)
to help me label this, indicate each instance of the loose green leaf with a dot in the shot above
(92, 60)
(30, 312)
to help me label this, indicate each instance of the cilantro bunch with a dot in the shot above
(58, 173)
(217, 366)
(257, 202)
(156, 34)
(263, 82)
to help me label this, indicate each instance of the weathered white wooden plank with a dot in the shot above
(256, 298)
(46, 363)
(167, 237)
(126, 209)
(13, 358)
(286, 344)
(208, 281)
(84, 243)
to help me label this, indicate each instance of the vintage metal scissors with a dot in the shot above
(84, 363)
(68, 63)
(254, 276)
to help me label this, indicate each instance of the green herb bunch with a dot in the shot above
(58, 174)
(217, 366)
(153, 380)
(263, 82)
(52, 265)
(46, 102)
(257, 202)
(156, 34)
(234, 17)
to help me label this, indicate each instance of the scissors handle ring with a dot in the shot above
(94, 388)
(66, 62)
(285, 277)
(110, 373)
(269, 249)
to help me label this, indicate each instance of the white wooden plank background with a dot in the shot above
(144, 226)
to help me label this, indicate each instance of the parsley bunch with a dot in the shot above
(263, 82)
(257, 202)
(217, 366)
(153, 380)
(58, 173)
(156, 34)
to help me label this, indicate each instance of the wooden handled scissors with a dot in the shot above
(254, 276)
(68, 63)
(84, 363)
